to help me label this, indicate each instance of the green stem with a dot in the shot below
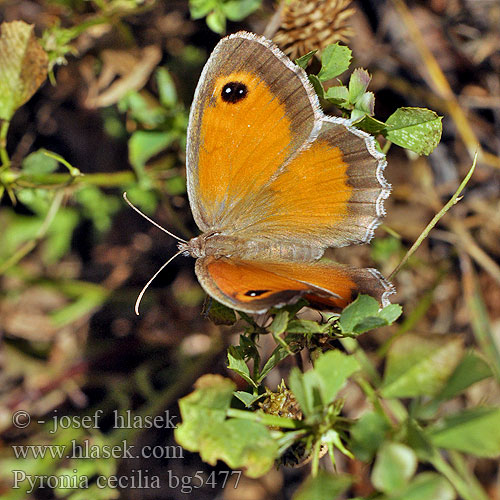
(386, 147)
(265, 418)
(74, 172)
(454, 199)
(479, 317)
(461, 467)
(30, 245)
(4, 157)
(391, 231)
(115, 179)
(315, 460)
(462, 487)
(352, 347)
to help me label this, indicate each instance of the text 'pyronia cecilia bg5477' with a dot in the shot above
(273, 182)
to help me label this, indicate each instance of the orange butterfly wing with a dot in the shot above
(255, 286)
(235, 147)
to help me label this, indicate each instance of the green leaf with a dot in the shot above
(306, 327)
(279, 354)
(418, 440)
(166, 88)
(475, 431)
(236, 10)
(391, 313)
(427, 486)
(216, 21)
(242, 444)
(203, 408)
(418, 366)
(143, 197)
(175, 185)
(324, 486)
(369, 323)
(59, 235)
(471, 369)
(317, 85)
(16, 230)
(144, 111)
(318, 387)
(417, 129)
(143, 145)
(364, 105)
(212, 396)
(386, 248)
(358, 83)
(38, 200)
(238, 365)
(363, 307)
(370, 125)
(39, 163)
(367, 434)
(364, 314)
(335, 59)
(394, 466)
(247, 398)
(201, 8)
(97, 206)
(305, 387)
(303, 61)
(219, 313)
(23, 66)
(280, 322)
(334, 368)
(338, 95)
(88, 297)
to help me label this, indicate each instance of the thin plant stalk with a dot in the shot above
(453, 200)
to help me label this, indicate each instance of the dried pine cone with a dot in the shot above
(312, 24)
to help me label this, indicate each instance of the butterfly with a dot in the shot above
(273, 182)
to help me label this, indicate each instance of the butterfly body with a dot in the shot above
(273, 182)
(218, 245)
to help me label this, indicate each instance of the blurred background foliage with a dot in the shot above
(112, 116)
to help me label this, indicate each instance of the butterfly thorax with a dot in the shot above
(216, 244)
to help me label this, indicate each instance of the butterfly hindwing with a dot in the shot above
(255, 286)
(330, 194)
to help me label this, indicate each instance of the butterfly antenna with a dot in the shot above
(146, 286)
(152, 222)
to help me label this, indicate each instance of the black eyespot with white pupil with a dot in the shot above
(255, 293)
(234, 92)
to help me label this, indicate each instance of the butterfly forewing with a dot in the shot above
(252, 111)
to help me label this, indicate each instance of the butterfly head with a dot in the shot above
(195, 247)
(201, 246)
